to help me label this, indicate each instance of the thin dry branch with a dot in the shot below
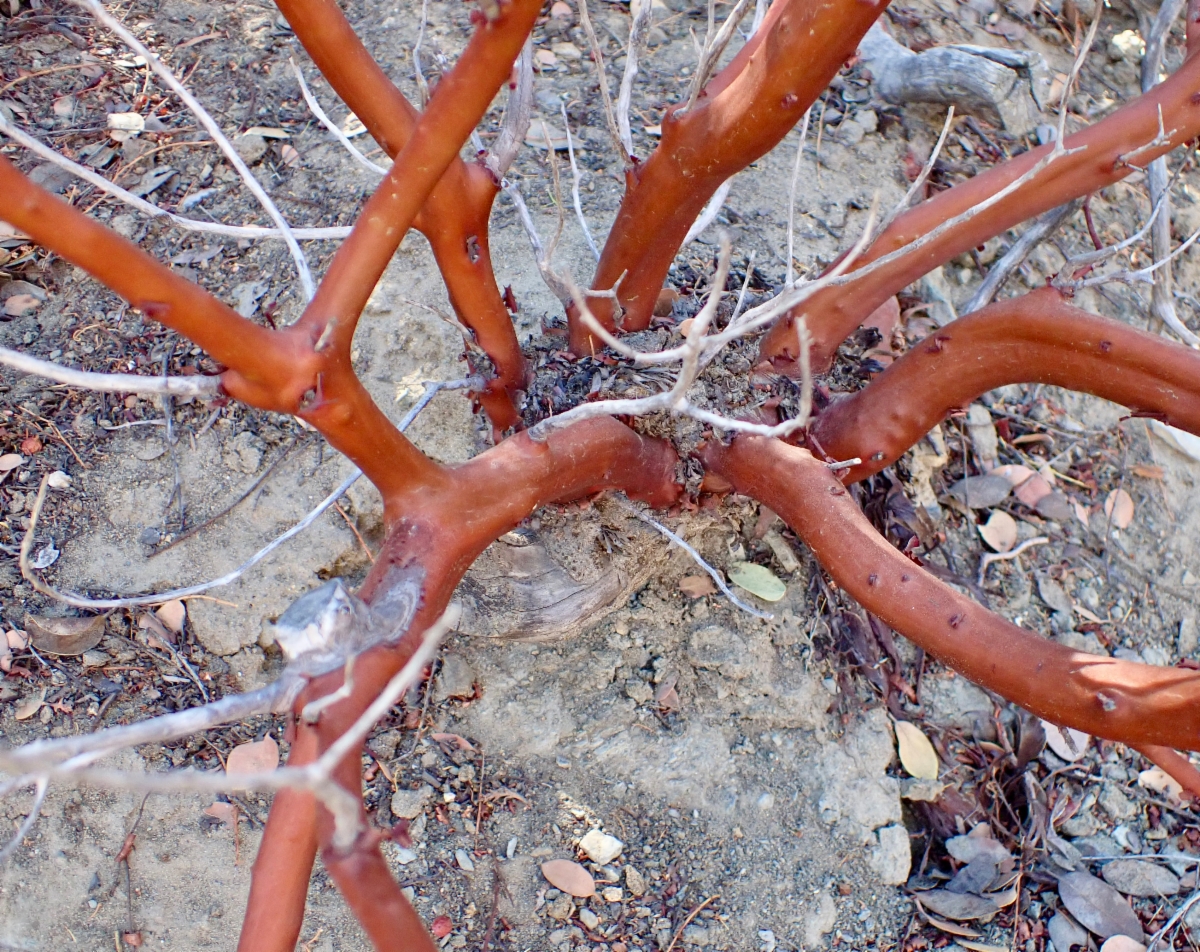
(189, 224)
(639, 31)
(210, 125)
(201, 387)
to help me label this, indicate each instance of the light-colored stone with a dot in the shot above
(1136, 878)
(456, 679)
(1115, 803)
(589, 918)
(819, 920)
(601, 847)
(892, 857)
(408, 804)
(635, 882)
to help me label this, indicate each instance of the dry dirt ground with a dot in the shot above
(769, 797)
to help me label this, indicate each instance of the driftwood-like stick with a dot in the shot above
(1036, 338)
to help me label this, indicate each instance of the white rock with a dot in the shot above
(589, 918)
(601, 847)
(409, 804)
(820, 921)
(892, 858)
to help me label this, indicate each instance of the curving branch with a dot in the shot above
(1036, 338)
(1103, 153)
(743, 113)
(455, 215)
(1133, 703)
(197, 386)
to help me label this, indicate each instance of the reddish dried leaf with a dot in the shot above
(227, 813)
(132, 939)
(460, 742)
(31, 445)
(441, 927)
(256, 757)
(1148, 472)
(570, 877)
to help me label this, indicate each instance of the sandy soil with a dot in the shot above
(772, 796)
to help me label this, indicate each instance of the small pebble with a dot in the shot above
(464, 860)
(588, 918)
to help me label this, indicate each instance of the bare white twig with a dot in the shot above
(718, 580)
(1076, 66)
(602, 79)
(587, 232)
(919, 182)
(1012, 259)
(96, 8)
(43, 784)
(550, 277)
(82, 601)
(197, 386)
(422, 85)
(791, 219)
(190, 224)
(990, 557)
(332, 126)
(517, 111)
(714, 46)
(709, 212)
(639, 31)
(316, 777)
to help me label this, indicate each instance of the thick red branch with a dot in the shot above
(1111, 150)
(455, 215)
(440, 532)
(744, 113)
(1036, 338)
(283, 867)
(1123, 701)
(260, 358)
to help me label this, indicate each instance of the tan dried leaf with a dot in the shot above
(1000, 531)
(256, 757)
(570, 877)
(65, 636)
(1066, 742)
(30, 706)
(172, 614)
(227, 813)
(697, 586)
(1119, 508)
(917, 755)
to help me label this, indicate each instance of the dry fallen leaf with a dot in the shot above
(172, 614)
(1000, 531)
(227, 813)
(757, 580)
(981, 946)
(460, 742)
(958, 906)
(1122, 943)
(1033, 489)
(1119, 508)
(560, 10)
(10, 461)
(31, 445)
(1159, 781)
(917, 755)
(291, 158)
(65, 636)
(20, 304)
(697, 586)
(30, 706)
(1014, 473)
(1066, 742)
(17, 639)
(255, 757)
(1148, 472)
(1098, 907)
(570, 877)
(441, 927)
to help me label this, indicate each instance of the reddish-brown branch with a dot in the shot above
(455, 215)
(742, 114)
(283, 867)
(272, 370)
(1036, 338)
(439, 531)
(1120, 700)
(1112, 149)
(262, 359)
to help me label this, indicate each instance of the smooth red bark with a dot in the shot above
(1121, 700)
(744, 113)
(1112, 149)
(1036, 338)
